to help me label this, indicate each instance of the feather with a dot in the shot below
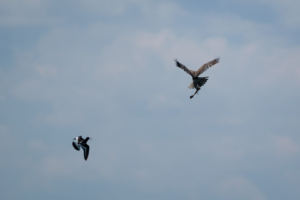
(204, 67)
(200, 81)
(191, 86)
(75, 146)
(86, 150)
(178, 64)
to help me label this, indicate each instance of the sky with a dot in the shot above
(105, 69)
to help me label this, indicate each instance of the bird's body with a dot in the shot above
(198, 82)
(80, 142)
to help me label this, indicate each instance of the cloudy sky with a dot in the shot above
(105, 69)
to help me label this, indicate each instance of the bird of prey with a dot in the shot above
(82, 143)
(198, 82)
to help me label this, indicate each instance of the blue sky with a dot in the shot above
(105, 69)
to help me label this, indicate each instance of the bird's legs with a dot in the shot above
(195, 93)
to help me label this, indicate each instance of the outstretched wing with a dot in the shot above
(86, 150)
(178, 64)
(75, 146)
(205, 67)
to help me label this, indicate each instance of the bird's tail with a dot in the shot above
(191, 86)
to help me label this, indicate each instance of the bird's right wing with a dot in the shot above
(75, 146)
(178, 64)
(206, 66)
(86, 150)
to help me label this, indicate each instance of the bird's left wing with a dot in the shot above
(178, 64)
(86, 150)
(206, 66)
(75, 146)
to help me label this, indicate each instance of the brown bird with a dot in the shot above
(198, 82)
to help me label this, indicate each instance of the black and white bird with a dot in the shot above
(198, 82)
(82, 143)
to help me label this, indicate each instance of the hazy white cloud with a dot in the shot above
(4, 132)
(240, 188)
(123, 62)
(292, 177)
(162, 102)
(287, 11)
(115, 7)
(36, 145)
(285, 145)
(23, 13)
(222, 148)
(18, 13)
(116, 81)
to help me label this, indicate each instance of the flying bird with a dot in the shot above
(198, 82)
(82, 143)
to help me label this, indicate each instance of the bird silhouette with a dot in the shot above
(198, 82)
(80, 142)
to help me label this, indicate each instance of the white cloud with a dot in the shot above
(47, 70)
(6, 138)
(285, 146)
(240, 188)
(287, 11)
(74, 65)
(224, 148)
(162, 102)
(119, 83)
(115, 7)
(36, 145)
(292, 177)
(21, 13)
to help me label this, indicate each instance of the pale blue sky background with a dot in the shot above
(105, 69)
